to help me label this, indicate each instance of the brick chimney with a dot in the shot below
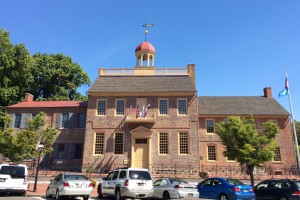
(267, 92)
(191, 71)
(28, 97)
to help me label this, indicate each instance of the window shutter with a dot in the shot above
(22, 125)
(58, 120)
(71, 121)
(12, 124)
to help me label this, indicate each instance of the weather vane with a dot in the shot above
(146, 29)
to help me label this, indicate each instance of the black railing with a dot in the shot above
(163, 170)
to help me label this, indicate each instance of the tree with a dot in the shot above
(249, 145)
(15, 71)
(57, 77)
(297, 125)
(21, 145)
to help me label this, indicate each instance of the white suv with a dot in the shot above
(122, 183)
(13, 179)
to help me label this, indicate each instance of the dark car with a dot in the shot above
(225, 189)
(283, 189)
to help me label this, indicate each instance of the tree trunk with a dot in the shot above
(250, 169)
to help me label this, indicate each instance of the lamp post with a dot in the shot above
(40, 149)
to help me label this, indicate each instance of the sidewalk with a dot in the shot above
(41, 188)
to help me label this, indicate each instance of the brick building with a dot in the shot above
(148, 117)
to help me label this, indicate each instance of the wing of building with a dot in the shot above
(151, 118)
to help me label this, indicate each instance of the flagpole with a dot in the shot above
(294, 127)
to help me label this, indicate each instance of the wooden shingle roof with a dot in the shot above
(240, 105)
(137, 84)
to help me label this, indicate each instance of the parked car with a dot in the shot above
(13, 179)
(225, 189)
(282, 189)
(174, 188)
(69, 185)
(135, 183)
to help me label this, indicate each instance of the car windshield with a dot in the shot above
(176, 181)
(234, 182)
(134, 174)
(13, 171)
(74, 177)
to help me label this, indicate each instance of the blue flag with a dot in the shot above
(286, 89)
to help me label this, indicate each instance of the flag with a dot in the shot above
(137, 113)
(143, 111)
(129, 109)
(38, 144)
(146, 109)
(286, 89)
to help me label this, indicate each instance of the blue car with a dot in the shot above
(225, 189)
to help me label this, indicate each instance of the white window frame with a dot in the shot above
(105, 111)
(116, 106)
(186, 106)
(206, 120)
(215, 152)
(167, 108)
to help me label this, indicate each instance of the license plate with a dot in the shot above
(245, 190)
(141, 184)
(190, 194)
(2, 180)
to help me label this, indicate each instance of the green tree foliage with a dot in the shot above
(46, 76)
(15, 71)
(248, 144)
(20, 145)
(297, 125)
(56, 77)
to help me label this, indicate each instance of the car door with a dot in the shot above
(204, 188)
(157, 189)
(104, 183)
(111, 183)
(263, 190)
(216, 188)
(54, 184)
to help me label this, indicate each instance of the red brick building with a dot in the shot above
(150, 117)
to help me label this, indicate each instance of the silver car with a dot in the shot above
(174, 188)
(70, 185)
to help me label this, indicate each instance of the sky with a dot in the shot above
(238, 47)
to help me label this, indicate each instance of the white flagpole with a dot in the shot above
(294, 127)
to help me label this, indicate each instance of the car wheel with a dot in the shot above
(47, 193)
(57, 197)
(86, 197)
(283, 198)
(118, 195)
(166, 196)
(223, 197)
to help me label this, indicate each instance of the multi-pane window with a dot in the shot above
(18, 120)
(277, 154)
(183, 143)
(211, 153)
(81, 120)
(101, 107)
(210, 126)
(78, 151)
(60, 151)
(163, 106)
(182, 105)
(65, 120)
(120, 107)
(163, 143)
(99, 143)
(141, 141)
(119, 143)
